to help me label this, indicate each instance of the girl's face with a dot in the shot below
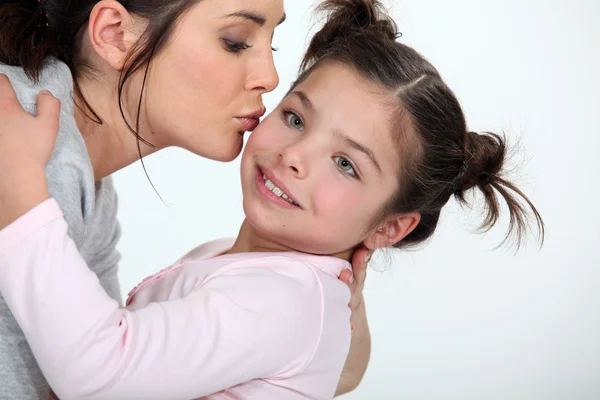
(204, 90)
(319, 169)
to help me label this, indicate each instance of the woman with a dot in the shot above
(133, 77)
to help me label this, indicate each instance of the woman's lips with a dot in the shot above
(249, 124)
(250, 121)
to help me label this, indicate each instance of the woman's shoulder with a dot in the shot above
(55, 77)
(70, 150)
(69, 172)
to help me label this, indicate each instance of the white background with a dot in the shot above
(455, 320)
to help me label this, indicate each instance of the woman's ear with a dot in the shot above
(393, 230)
(112, 32)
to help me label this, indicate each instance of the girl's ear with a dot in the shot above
(112, 32)
(393, 230)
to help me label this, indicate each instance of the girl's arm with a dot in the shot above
(241, 325)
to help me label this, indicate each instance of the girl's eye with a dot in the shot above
(235, 47)
(344, 165)
(294, 121)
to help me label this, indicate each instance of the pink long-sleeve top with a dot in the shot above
(212, 326)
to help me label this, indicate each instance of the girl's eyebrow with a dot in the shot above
(304, 100)
(362, 148)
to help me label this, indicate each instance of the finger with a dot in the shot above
(360, 258)
(8, 97)
(48, 110)
(346, 277)
(360, 276)
(359, 264)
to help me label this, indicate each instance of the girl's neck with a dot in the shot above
(249, 240)
(111, 145)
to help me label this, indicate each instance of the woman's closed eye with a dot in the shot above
(345, 166)
(235, 47)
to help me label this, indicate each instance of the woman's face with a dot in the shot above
(204, 90)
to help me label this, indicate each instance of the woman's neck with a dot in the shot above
(110, 144)
(249, 240)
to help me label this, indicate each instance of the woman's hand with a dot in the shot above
(360, 347)
(26, 144)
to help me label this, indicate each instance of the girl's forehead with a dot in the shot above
(340, 81)
(346, 97)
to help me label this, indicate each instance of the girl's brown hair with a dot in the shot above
(440, 157)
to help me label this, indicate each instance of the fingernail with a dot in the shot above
(367, 259)
(351, 280)
(351, 327)
(46, 93)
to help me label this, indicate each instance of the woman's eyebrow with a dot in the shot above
(253, 16)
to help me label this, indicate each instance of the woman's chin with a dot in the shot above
(226, 153)
(231, 154)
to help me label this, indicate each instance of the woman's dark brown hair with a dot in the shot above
(33, 30)
(440, 157)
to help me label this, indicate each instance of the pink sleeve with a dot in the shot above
(241, 325)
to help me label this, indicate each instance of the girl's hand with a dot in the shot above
(360, 347)
(26, 144)
(356, 279)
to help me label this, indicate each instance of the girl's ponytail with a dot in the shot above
(485, 155)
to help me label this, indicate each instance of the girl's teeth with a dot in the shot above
(271, 186)
(278, 192)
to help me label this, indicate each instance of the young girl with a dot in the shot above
(367, 148)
